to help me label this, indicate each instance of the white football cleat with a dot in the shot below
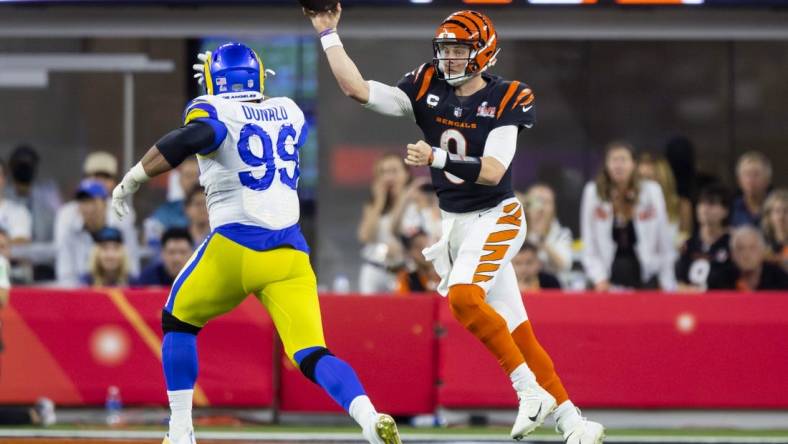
(584, 432)
(383, 430)
(185, 439)
(535, 404)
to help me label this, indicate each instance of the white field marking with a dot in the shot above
(356, 437)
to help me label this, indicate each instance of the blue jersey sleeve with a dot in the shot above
(201, 111)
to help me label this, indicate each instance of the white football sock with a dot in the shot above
(362, 410)
(566, 416)
(521, 376)
(180, 412)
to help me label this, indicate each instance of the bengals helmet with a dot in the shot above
(465, 28)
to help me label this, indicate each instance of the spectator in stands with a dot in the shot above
(109, 263)
(679, 209)
(707, 254)
(197, 212)
(5, 276)
(102, 167)
(40, 197)
(552, 241)
(419, 274)
(624, 227)
(74, 237)
(680, 154)
(775, 226)
(172, 213)
(751, 271)
(754, 175)
(382, 251)
(417, 210)
(528, 268)
(14, 218)
(176, 248)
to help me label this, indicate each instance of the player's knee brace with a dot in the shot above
(170, 323)
(309, 363)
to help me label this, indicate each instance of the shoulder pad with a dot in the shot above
(515, 94)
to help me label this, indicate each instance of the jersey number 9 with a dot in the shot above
(454, 142)
(269, 158)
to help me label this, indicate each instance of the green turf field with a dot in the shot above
(635, 435)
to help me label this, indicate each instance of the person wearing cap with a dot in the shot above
(103, 167)
(41, 197)
(14, 218)
(108, 264)
(76, 232)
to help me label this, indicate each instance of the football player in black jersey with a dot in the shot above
(471, 120)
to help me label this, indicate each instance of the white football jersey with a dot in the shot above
(252, 176)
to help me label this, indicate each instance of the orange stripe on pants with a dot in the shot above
(469, 308)
(539, 361)
(496, 252)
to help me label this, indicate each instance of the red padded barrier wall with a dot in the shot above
(388, 340)
(72, 345)
(638, 350)
(720, 350)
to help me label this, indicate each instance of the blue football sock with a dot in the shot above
(179, 359)
(335, 376)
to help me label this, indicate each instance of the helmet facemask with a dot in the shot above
(453, 60)
(445, 49)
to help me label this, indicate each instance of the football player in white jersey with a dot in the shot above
(247, 147)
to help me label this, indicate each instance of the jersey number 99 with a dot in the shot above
(268, 159)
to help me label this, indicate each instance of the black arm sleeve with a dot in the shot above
(467, 168)
(185, 141)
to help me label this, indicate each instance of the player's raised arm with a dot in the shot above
(199, 134)
(350, 80)
(377, 96)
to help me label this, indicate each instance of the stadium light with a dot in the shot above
(562, 2)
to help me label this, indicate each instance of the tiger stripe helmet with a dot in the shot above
(466, 28)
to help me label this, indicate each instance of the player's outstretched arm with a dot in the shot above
(349, 78)
(134, 178)
(166, 154)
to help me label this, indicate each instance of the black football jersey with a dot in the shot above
(461, 127)
(699, 265)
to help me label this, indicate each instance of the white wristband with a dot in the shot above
(439, 158)
(330, 40)
(138, 174)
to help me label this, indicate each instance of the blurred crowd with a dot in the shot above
(81, 242)
(647, 221)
